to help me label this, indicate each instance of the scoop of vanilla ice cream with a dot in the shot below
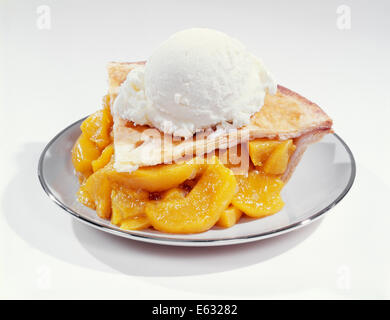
(196, 79)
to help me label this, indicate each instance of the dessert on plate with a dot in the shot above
(197, 136)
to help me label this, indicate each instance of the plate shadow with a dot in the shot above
(152, 260)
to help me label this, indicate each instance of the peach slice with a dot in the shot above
(174, 193)
(278, 160)
(258, 194)
(97, 127)
(128, 208)
(156, 178)
(236, 158)
(84, 152)
(135, 223)
(229, 217)
(84, 197)
(261, 149)
(96, 193)
(127, 203)
(104, 158)
(201, 208)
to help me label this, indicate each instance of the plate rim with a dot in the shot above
(191, 242)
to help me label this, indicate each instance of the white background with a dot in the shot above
(51, 78)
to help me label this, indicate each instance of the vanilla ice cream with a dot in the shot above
(196, 79)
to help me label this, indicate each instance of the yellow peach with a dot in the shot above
(156, 178)
(84, 152)
(97, 127)
(278, 160)
(104, 158)
(201, 208)
(261, 149)
(97, 190)
(127, 203)
(135, 223)
(258, 194)
(229, 217)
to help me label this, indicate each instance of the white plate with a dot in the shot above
(322, 179)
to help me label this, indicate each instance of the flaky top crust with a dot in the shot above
(284, 115)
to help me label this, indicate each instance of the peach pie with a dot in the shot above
(187, 179)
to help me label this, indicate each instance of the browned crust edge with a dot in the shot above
(315, 107)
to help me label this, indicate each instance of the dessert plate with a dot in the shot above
(321, 180)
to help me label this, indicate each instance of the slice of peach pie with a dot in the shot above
(140, 177)
(198, 136)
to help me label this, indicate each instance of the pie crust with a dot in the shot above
(285, 115)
